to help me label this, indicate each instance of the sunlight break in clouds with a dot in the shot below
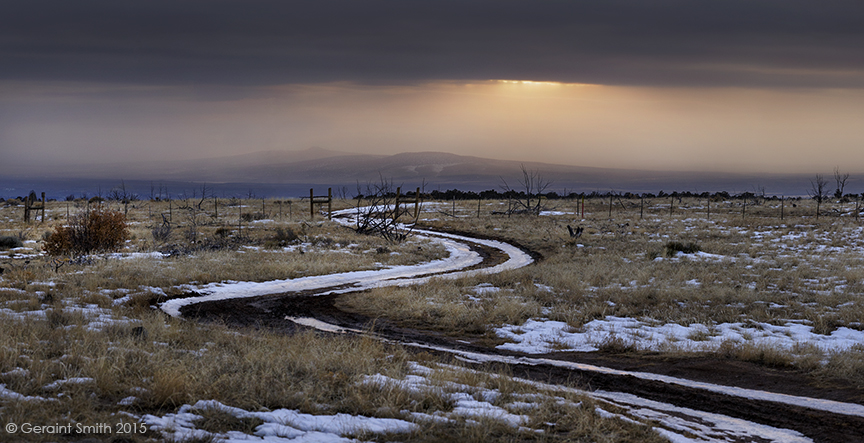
(731, 85)
(736, 129)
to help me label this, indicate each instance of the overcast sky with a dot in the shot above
(715, 85)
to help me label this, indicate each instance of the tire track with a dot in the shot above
(684, 407)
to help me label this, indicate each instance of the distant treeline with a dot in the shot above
(492, 194)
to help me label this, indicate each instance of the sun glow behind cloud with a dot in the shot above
(568, 123)
(540, 83)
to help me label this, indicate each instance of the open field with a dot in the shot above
(783, 292)
(82, 342)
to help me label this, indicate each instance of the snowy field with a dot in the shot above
(794, 287)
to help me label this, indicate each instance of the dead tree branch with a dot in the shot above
(529, 198)
(379, 214)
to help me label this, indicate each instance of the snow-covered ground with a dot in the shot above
(806, 402)
(460, 257)
(542, 336)
(538, 335)
(470, 403)
(281, 425)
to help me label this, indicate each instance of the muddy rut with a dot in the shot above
(275, 311)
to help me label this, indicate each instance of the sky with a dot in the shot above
(741, 86)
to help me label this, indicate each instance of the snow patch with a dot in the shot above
(543, 336)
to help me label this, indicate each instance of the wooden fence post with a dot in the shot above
(417, 204)
(610, 204)
(320, 200)
(359, 199)
(30, 205)
(857, 204)
(781, 208)
(396, 211)
(583, 205)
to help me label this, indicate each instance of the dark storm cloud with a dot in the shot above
(698, 43)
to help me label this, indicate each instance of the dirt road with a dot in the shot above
(716, 400)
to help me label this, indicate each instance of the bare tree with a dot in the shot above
(162, 234)
(380, 215)
(205, 194)
(342, 192)
(119, 193)
(528, 200)
(818, 191)
(760, 195)
(840, 179)
(193, 217)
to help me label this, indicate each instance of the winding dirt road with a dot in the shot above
(692, 399)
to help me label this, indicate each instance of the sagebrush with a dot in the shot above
(92, 231)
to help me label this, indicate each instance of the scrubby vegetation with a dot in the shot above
(674, 247)
(9, 242)
(757, 271)
(95, 230)
(80, 338)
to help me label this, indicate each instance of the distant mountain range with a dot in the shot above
(297, 170)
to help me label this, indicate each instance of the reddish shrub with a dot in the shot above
(93, 231)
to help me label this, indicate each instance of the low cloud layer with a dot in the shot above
(663, 84)
(751, 43)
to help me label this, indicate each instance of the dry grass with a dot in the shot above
(251, 252)
(761, 269)
(177, 362)
(560, 415)
(441, 304)
(217, 421)
(797, 269)
(844, 366)
(153, 364)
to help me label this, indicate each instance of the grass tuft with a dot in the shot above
(217, 421)
(674, 247)
(615, 344)
(10, 242)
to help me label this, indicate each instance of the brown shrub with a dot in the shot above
(93, 231)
